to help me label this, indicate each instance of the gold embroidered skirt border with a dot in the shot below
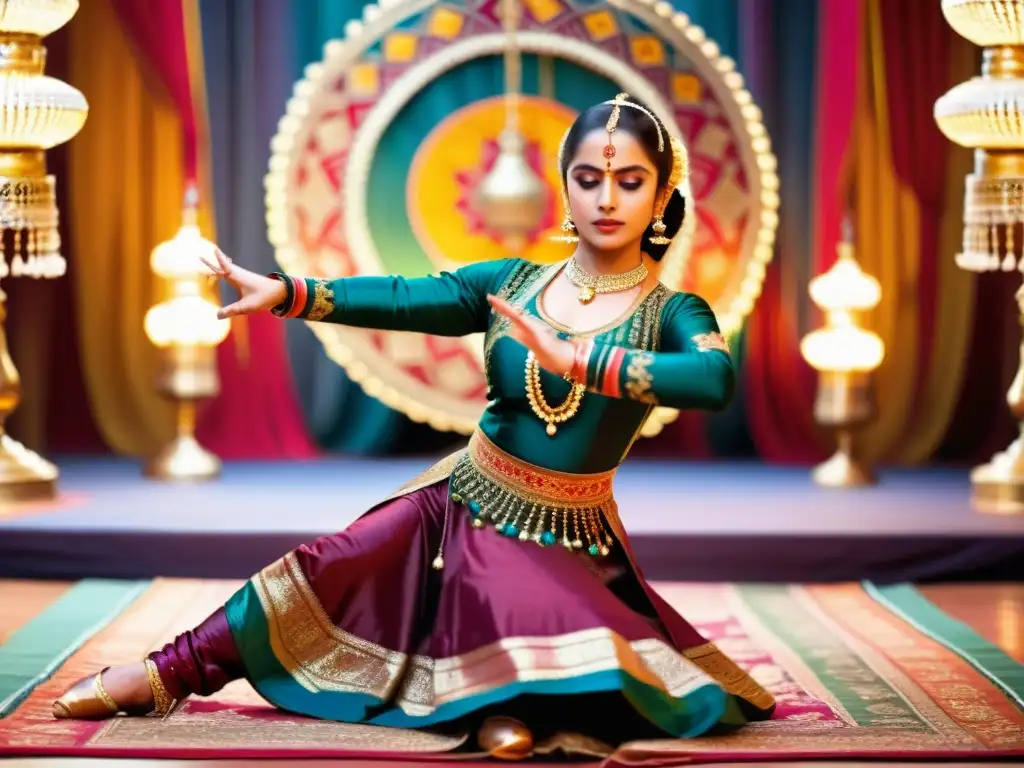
(532, 503)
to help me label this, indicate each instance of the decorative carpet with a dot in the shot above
(858, 671)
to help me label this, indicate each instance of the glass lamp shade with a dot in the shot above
(987, 22)
(984, 112)
(845, 287)
(178, 258)
(36, 17)
(38, 112)
(186, 321)
(842, 348)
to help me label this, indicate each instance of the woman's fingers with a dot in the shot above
(213, 266)
(231, 310)
(244, 306)
(224, 260)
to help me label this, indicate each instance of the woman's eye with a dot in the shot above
(631, 184)
(587, 182)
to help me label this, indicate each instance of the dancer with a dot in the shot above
(498, 590)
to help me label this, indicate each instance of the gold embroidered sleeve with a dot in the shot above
(639, 383)
(705, 342)
(323, 300)
(678, 375)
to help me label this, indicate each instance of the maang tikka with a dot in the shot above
(676, 175)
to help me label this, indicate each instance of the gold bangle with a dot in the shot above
(103, 695)
(162, 701)
(580, 358)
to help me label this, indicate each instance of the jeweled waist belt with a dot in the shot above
(532, 503)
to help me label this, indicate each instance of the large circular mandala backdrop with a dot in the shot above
(376, 162)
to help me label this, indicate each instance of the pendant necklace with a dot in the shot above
(590, 285)
(552, 416)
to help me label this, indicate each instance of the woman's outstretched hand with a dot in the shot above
(553, 354)
(257, 293)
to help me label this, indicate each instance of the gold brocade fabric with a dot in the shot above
(320, 656)
(532, 503)
(323, 657)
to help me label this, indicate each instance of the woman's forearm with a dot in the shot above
(449, 304)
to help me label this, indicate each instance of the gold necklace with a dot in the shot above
(543, 411)
(590, 285)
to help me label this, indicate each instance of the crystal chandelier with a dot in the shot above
(37, 112)
(985, 114)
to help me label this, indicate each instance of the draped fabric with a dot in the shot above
(254, 53)
(256, 377)
(888, 244)
(914, 38)
(125, 177)
(900, 173)
(157, 31)
(779, 389)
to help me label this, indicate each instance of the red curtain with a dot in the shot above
(158, 29)
(918, 43)
(778, 384)
(257, 415)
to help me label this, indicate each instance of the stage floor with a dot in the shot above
(688, 521)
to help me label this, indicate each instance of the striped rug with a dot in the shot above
(859, 671)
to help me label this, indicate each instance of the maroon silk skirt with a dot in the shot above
(358, 627)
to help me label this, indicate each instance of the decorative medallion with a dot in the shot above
(375, 164)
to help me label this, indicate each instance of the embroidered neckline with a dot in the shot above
(641, 299)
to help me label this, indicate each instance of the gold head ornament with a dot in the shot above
(677, 175)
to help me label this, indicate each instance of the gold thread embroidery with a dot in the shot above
(533, 503)
(705, 342)
(320, 656)
(729, 674)
(525, 280)
(442, 470)
(323, 300)
(744, 685)
(194, 725)
(317, 654)
(162, 701)
(639, 380)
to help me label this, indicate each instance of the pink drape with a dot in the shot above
(158, 28)
(257, 415)
(779, 386)
(837, 96)
(918, 44)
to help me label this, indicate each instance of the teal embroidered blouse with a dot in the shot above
(667, 351)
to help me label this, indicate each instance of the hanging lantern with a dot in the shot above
(511, 196)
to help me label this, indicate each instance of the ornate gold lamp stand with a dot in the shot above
(985, 114)
(36, 113)
(187, 331)
(510, 196)
(845, 356)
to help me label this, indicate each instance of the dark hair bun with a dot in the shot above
(675, 214)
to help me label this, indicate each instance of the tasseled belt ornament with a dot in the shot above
(532, 503)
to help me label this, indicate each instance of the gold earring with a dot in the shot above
(658, 238)
(570, 236)
(568, 227)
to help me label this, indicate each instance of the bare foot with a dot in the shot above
(128, 685)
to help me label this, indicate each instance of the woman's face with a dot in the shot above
(611, 206)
